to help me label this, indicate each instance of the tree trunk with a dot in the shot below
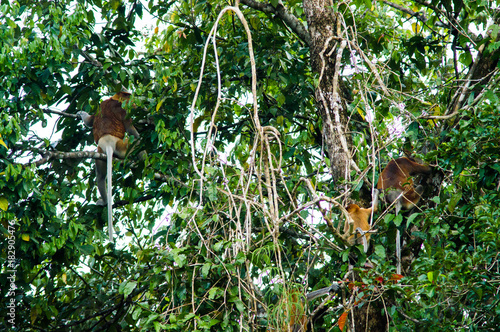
(326, 47)
(480, 74)
(368, 315)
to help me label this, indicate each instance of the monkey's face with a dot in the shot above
(352, 208)
(121, 96)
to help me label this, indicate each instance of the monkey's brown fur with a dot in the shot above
(396, 179)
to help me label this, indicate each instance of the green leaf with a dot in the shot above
(380, 251)
(127, 287)
(430, 291)
(281, 99)
(206, 269)
(180, 259)
(3, 144)
(215, 292)
(388, 218)
(398, 220)
(239, 305)
(87, 249)
(218, 246)
(454, 201)
(411, 218)
(4, 203)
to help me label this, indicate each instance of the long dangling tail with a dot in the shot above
(109, 161)
(398, 240)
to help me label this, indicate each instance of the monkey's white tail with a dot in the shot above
(363, 238)
(398, 240)
(365, 243)
(398, 250)
(109, 164)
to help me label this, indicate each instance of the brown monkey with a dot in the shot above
(109, 127)
(360, 218)
(397, 183)
(396, 180)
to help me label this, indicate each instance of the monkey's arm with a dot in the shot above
(323, 291)
(87, 119)
(130, 129)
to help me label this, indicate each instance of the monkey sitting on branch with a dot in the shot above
(359, 223)
(397, 184)
(109, 128)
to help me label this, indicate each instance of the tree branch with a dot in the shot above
(147, 121)
(439, 117)
(287, 231)
(88, 57)
(417, 15)
(69, 115)
(428, 5)
(280, 11)
(482, 70)
(49, 155)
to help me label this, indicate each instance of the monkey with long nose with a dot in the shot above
(109, 127)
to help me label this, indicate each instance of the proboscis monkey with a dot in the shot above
(109, 127)
(397, 183)
(360, 218)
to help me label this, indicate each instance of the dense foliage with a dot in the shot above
(216, 232)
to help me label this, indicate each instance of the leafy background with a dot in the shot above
(224, 251)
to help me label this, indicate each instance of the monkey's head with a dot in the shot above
(352, 208)
(121, 96)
